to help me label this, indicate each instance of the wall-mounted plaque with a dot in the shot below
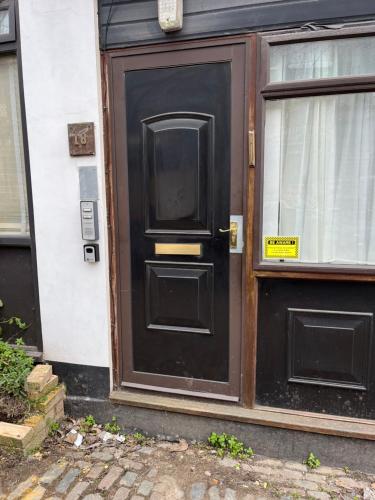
(81, 139)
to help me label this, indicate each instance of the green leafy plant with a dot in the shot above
(225, 443)
(20, 325)
(15, 366)
(312, 461)
(139, 437)
(87, 423)
(53, 428)
(112, 426)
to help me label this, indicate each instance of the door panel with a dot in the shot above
(178, 155)
(316, 346)
(179, 297)
(175, 118)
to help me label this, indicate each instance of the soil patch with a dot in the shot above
(12, 409)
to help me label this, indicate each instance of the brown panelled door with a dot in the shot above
(178, 133)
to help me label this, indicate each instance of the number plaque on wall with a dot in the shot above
(81, 139)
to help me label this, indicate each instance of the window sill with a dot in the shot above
(319, 270)
(15, 241)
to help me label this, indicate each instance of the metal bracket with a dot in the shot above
(251, 146)
(237, 235)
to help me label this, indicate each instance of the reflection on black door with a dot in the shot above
(178, 136)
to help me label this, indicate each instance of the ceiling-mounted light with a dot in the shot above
(170, 14)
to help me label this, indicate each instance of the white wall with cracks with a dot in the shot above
(61, 77)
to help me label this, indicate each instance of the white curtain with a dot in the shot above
(323, 59)
(319, 178)
(13, 198)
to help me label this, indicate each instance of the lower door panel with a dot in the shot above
(315, 346)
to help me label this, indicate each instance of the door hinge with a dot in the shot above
(251, 146)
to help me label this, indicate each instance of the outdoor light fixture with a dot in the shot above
(170, 14)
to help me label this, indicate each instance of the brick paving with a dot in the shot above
(121, 471)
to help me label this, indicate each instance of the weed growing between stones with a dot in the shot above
(139, 437)
(87, 424)
(312, 461)
(54, 427)
(112, 426)
(225, 443)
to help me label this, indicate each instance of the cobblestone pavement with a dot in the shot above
(159, 470)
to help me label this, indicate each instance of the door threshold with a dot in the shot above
(333, 425)
(181, 392)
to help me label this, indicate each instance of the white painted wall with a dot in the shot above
(61, 75)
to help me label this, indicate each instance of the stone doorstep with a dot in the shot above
(51, 384)
(38, 378)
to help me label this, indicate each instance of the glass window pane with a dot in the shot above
(13, 198)
(319, 176)
(322, 59)
(4, 22)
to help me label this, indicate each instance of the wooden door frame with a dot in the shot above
(246, 356)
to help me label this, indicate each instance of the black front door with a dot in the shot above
(176, 111)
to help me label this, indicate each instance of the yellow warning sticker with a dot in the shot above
(281, 247)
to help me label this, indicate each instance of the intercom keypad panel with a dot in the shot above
(89, 220)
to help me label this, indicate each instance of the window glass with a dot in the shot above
(4, 22)
(322, 59)
(13, 198)
(319, 177)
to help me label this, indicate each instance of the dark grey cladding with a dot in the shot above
(133, 22)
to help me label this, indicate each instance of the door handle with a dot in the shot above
(233, 230)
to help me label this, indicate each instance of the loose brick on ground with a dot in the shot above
(129, 479)
(230, 494)
(152, 473)
(36, 494)
(22, 488)
(53, 473)
(110, 478)
(122, 493)
(95, 471)
(103, 456)
(309, 485)
(130, 464)
(214, 493)
(78, 490)
(330, 471)
(145, 488)
(320, 495)
(198, 491)
(295, 466)
(67, 480)
(287, 474)
(270, 462)
(350, 484)
(317, 478)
